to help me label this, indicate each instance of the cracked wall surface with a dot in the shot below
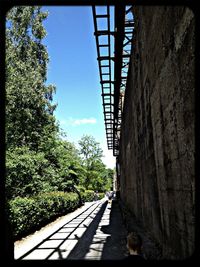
(156, 158)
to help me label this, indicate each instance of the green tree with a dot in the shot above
(90, 150)
(97, 176)
(65, 157)
(30, 123)
(25, 171)
(109, 180)
(101, 178)
(37, 158)
(29, 112)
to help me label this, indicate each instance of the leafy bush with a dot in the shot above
(87, 195)
(29, 214)
(24, 172)
(81, 188)
(101, 195)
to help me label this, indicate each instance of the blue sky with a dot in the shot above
(73, 69)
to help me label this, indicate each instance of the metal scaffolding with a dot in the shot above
(113, 79)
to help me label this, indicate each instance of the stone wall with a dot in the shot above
(157, 180)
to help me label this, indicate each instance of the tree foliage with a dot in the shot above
(46, 175)
(38, 159)
(29, 111)
(90, 150)
(96, 172)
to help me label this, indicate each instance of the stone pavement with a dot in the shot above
(93, 232)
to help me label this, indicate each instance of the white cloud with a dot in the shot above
(84, 121)
(76, 122)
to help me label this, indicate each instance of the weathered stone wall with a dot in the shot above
(157, 181)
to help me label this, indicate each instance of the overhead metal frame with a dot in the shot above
(124, 25)
(104, 59)
(113, 91)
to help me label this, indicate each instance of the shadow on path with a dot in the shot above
(82, 247)
(115, 245)
(51, 245)
(97, 233)
(105, 238)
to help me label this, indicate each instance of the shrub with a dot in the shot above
(81, 188)
(101, 195)
(25, 172)
(87, 196)
(29, 214)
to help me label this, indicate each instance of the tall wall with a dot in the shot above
(157, 180)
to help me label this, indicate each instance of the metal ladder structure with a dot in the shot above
(113, 79)
(104, 59)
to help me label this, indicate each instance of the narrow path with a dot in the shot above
(94, 231)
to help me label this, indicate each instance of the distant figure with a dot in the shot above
(110, 196)
(134, 245)
(96, 196)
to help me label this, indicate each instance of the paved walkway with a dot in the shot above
(93, 232)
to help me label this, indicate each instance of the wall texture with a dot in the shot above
(157, 180)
